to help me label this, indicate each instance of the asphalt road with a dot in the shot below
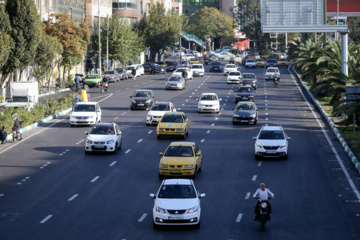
(49, 189)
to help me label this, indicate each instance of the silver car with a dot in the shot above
(175, 82)
(112, 75)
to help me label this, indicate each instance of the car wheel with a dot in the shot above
(183, 136)
(285, 157)
(233, 122)
(197, 225)
(161, 176)
(255, 122)
(199, 170)
(257, 157)
(147, 124)
(71, 125)
(194, 175)
(158, 136)
(116, 148)
(155, 226)
(87, 152)
(120, 146)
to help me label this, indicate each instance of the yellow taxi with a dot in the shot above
(173, 124)
(162, 63)
(168, 52)
(260, 62)
(194, 60)
(180, 159)
(283, 62)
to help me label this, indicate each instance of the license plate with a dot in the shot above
(175, 170)
(98, 146)
(271, 151)
(244, 121)
(140, 104)
(244, 97)
(175, 218)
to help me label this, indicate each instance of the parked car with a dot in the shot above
(245, 112)
(112, 75)
(157, 110)
(172, 195)
(147, 66)
(85, 113)
(244, 93)
(175, 82)
(103, 137)
(142, 99)
(198, 70)
(209, 102)
(250, 63)
(250, 79)
(216, 66)
(271, 142)
(123, 73)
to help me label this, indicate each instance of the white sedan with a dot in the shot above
(209, 102)
(180, 70)
(177, 202)
(103, 137)
(229, 68)
(157, 111)
(85, 113)
(250, 63)
(234, 77)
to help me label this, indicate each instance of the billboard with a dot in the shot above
(348, 8)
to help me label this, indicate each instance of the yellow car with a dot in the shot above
(161, 63)
(180, 159)
(259, 62)
(168, 52)
(283, 62)
(194, 60)
(173, 124)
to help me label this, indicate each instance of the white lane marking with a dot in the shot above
(183, 104)
(195, 90)
(61, 154)
(266, 114)
(116, 118)
(347, 175)
(113, 163)
(136, 85)
(222, 108)
(259, 164)
(127, 88)
(265, 100)
(127, 151)
(19, 183)
(247, 195)
(238, 219)
(179, 109)
(140, 140)
(150, 131)
(94, 179)
(45, 219)
(254, 177)
(266, 104)
(73, 197)
(265, 96)
(202, 140)
(266, 109)
(189, 96)
(224, 104)
(1, 195)
(142, 217)
(208, 131)
(225, 100)
(123, 113)
(186, 100)
(216, 118)
(213, 124)
(227, 96)
(193, 93)
(106, 97)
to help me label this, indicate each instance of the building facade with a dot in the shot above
(74, 8)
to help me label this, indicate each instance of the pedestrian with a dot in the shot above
(133, 73)
(77, 81)
(3, 134)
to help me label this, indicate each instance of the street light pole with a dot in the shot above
(107, 44)
(99, 39)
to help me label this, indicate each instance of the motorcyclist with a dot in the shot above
(16, 127)
(76, 100)
(232, 61)
(106, 81)
(3, 134)
(184, 75)
(263, 194)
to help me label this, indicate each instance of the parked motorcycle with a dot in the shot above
(104, 87)
(81, 86)
(264, 214)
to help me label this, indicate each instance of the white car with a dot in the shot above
(140, 69)
(103, 137)
(177, 202)
(180, 70)
(85, 113)
(271, 73)
(177, 53)
(198, 70)
(197, 54)
(157, 111)
(175, 82)
(234, 77)
(187, 56)
(209, 102)
(131, 67)
(271, 141)
(229, 68)
(250, 63)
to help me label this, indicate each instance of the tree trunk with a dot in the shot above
(63, 80)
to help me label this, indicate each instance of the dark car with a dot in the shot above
(250, 79)
(244, 93)
(274, 56)
(147, 67)
(216, 67)
(245, 112)
(172, 66)
(142, 99)
(271, 63)
(211, 57)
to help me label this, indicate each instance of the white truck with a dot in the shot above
(24, 94)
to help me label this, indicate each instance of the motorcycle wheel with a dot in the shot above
(263, 221)
(102, 90)
(86, 87)
(19, 136)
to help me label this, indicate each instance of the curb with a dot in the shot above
(347, 149)
(41, 122)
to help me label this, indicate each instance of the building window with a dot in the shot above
(125, 4)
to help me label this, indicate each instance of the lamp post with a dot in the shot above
(99, 39)
(107, 47)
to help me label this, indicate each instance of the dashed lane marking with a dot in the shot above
(183, 104)
(1, 195)
(73, 197)
(247, 195)
(46, 219)
(127, 151)
(266, 114)
(254, 177)
(202, 140)
(259, 164)
(213, 124)
(116, 118)
(179, 109)
(123, 113)
(208, 131)
(113, 163)
(238, 219)
(94, 179)
(142, 217)
(140, 140)
(150, 131)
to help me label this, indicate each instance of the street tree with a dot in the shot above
(5, 38)
(160, 29)
(25, 33)
(354, 29)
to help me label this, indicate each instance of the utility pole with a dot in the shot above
(99, 39)
(107, 43)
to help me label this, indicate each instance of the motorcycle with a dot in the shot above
(263, 215)
(276, 80)
(16, 134)
(104, 87)
(206, 61)
(81, 86)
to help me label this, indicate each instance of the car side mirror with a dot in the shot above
(86, 133)
(202, 195)
(198, 154)
(152, 195)
(131, 96)
(187, 120)
(197, 99)
(288, 138)
(254, 138)
(220, 99)
(161, 153)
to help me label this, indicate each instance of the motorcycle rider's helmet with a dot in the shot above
(3, 127)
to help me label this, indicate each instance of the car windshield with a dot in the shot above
(245, 89)
(271, 70)
(19, 99)
(92, 76)
(234, 73)
(248, 75)
(109, 72)
(180, 70)
(160, 107)
(208, 97)
(174, 79)
(173, 63)
(145, 94)
(197, 66)
(216, 63)
(272, 134)
(84, 108)
(246, 106)
(170, 118)
(179, 151)
(250, 60)
(102, 130)
(258, 60)
(271, 61)
(230, 66)
(177, 191)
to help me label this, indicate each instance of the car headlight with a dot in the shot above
(283, 146)
(89, 141)
(92, 116)
(148, 117)
(253, 115)
(189, 166)
(192, 210)
(258, 145)
(133, 101)
(236, 115)
(164, 166)
(179, 129)
(148, 101)
(109, 142)
(160, 210)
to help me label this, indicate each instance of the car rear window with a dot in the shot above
(248, 75)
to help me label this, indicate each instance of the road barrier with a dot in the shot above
(347, 149)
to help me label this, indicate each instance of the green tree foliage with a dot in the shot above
(354, 29)
(160, 29)
(248, 18)
(25, 33)
(125, 44)
(5, 39)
